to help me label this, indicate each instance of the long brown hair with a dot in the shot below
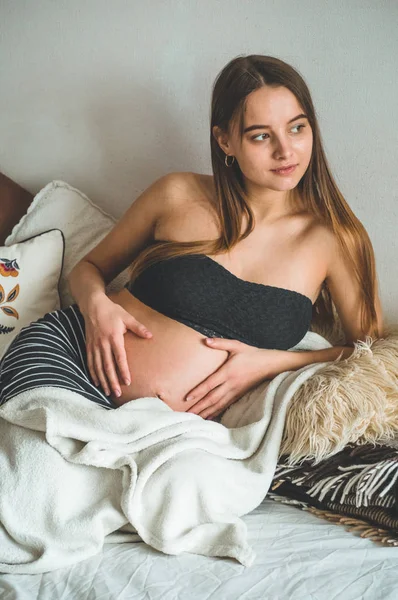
(317, 188)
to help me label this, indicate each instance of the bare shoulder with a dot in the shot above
(188, 186)
(181, 191)
(186, 213)
(176, 183)
(322, 237)
(306, 229)
(315, 244)
(328, 243)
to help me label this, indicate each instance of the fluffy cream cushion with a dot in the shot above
(353, 400)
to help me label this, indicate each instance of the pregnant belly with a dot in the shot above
(168, 365)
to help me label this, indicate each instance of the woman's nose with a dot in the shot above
(283, 147)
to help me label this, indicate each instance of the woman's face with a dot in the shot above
(278, 139)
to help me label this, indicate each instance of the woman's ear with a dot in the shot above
(222, 139)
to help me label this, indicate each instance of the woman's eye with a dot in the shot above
(258, 136)
(297, 126)
(262, 134)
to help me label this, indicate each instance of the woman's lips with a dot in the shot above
(284, 171)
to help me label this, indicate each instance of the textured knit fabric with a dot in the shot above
(202, 294)
(50, 352)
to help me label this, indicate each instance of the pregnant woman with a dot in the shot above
(227, 270)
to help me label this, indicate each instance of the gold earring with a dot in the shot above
(226, 161)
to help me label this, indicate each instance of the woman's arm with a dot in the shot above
(293, 360)
(106, 322)
(345, 293)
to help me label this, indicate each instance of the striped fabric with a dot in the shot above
(50, 352)
(357, 487)
(357, 475)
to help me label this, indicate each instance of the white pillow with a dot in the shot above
(82, 222)
(29, 276)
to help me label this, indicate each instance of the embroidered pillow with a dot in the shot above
(29, 276)
(82, 222)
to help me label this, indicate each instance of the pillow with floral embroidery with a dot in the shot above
(83, 223)
(29, 277)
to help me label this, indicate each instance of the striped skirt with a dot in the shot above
(50, 352)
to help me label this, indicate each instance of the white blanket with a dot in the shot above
(74, 476)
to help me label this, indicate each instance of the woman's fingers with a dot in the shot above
(91, 367)
(209, 384)
(110, 371)
(106, 353)
(119, 353)
(137, 327)
(210, 403)
(103, 371)
(100, 372)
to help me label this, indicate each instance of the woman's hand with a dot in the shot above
(106, 323)
(245, 368)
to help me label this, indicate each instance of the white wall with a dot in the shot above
(109, 95)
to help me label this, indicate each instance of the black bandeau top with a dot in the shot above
(202, 294)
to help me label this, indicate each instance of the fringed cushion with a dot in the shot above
(353, 400)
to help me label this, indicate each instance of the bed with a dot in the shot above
(298, 555)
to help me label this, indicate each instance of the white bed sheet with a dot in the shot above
(299, 556)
